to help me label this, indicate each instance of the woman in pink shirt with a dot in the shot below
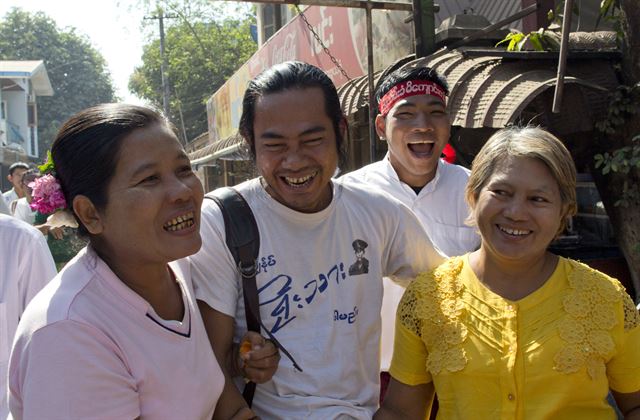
(117, 334)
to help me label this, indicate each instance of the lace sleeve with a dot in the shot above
(631, 315)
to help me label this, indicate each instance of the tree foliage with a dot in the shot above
(616, 166)
(204, 46)
(77, 71)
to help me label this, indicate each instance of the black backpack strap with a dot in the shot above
(243, 241)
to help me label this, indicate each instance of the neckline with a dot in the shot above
(295, 215)
(546, 289)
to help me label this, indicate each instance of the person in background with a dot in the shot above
(413, 119)
(512, 330)
(26, 267)
(4, 209)
(312, 230)
(16, 170)
(20, 207)
(117, 333)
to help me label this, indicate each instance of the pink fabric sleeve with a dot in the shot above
(70, 370)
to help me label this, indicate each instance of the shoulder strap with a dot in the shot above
(243, 241)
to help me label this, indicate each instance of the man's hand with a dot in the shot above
(258, 358)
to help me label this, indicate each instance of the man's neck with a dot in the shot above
(412, 180)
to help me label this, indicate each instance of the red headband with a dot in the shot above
(410, 88)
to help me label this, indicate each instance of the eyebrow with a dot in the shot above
(313, 130)
(181, 155)
(505, 183)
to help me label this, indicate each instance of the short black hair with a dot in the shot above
(86, 150)
(406, 74)
(17, 165)
(288, 76)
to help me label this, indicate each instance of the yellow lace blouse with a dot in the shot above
(553, 354)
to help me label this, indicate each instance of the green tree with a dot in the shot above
(78, 72)
(617, 150)
(204, 44)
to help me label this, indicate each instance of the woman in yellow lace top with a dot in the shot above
(511, 331)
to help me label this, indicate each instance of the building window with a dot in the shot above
(32, 114)
(32, 140)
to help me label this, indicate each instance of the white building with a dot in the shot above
(21, 82)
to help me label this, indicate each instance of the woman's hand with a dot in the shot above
(258, 358)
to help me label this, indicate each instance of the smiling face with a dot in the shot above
(295, 146)
(16, 178)
(519, 211)
(417, 128)
(153, 201)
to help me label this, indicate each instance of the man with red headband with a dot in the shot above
(413, 119)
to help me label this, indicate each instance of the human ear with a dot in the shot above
(88, 214)
(343, 127)
(381, 126)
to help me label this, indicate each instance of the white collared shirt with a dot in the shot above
(26, 268)
(440, 205)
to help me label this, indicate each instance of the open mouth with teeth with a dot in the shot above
(299, 182)
(421, 148)
(514, 232)
(178, 223)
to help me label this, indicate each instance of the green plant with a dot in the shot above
(623, 106)
(540, 40)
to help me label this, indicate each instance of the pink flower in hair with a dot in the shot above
(47, 195)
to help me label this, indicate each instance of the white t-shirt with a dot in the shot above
(442, 210)
(320, 299)
(4, 208)
(89, 347)
(9, 196)
(24, 212)
(26, 266)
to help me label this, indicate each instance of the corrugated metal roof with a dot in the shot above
(230, 148)
(488, 91)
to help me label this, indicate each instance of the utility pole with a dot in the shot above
(163, 57)
(424, 27)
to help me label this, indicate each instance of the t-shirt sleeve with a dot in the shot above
(408, 364)
(70, 370)
(623, 370)
(215, 278)
(37, 268)
(410, 251)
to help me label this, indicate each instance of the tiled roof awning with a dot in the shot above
(491, 91)
(231, 148)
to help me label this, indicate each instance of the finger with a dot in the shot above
(261, 355)
(259, 376)
(254, 338)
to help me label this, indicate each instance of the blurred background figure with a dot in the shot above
(26, 267)
(16, 170)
